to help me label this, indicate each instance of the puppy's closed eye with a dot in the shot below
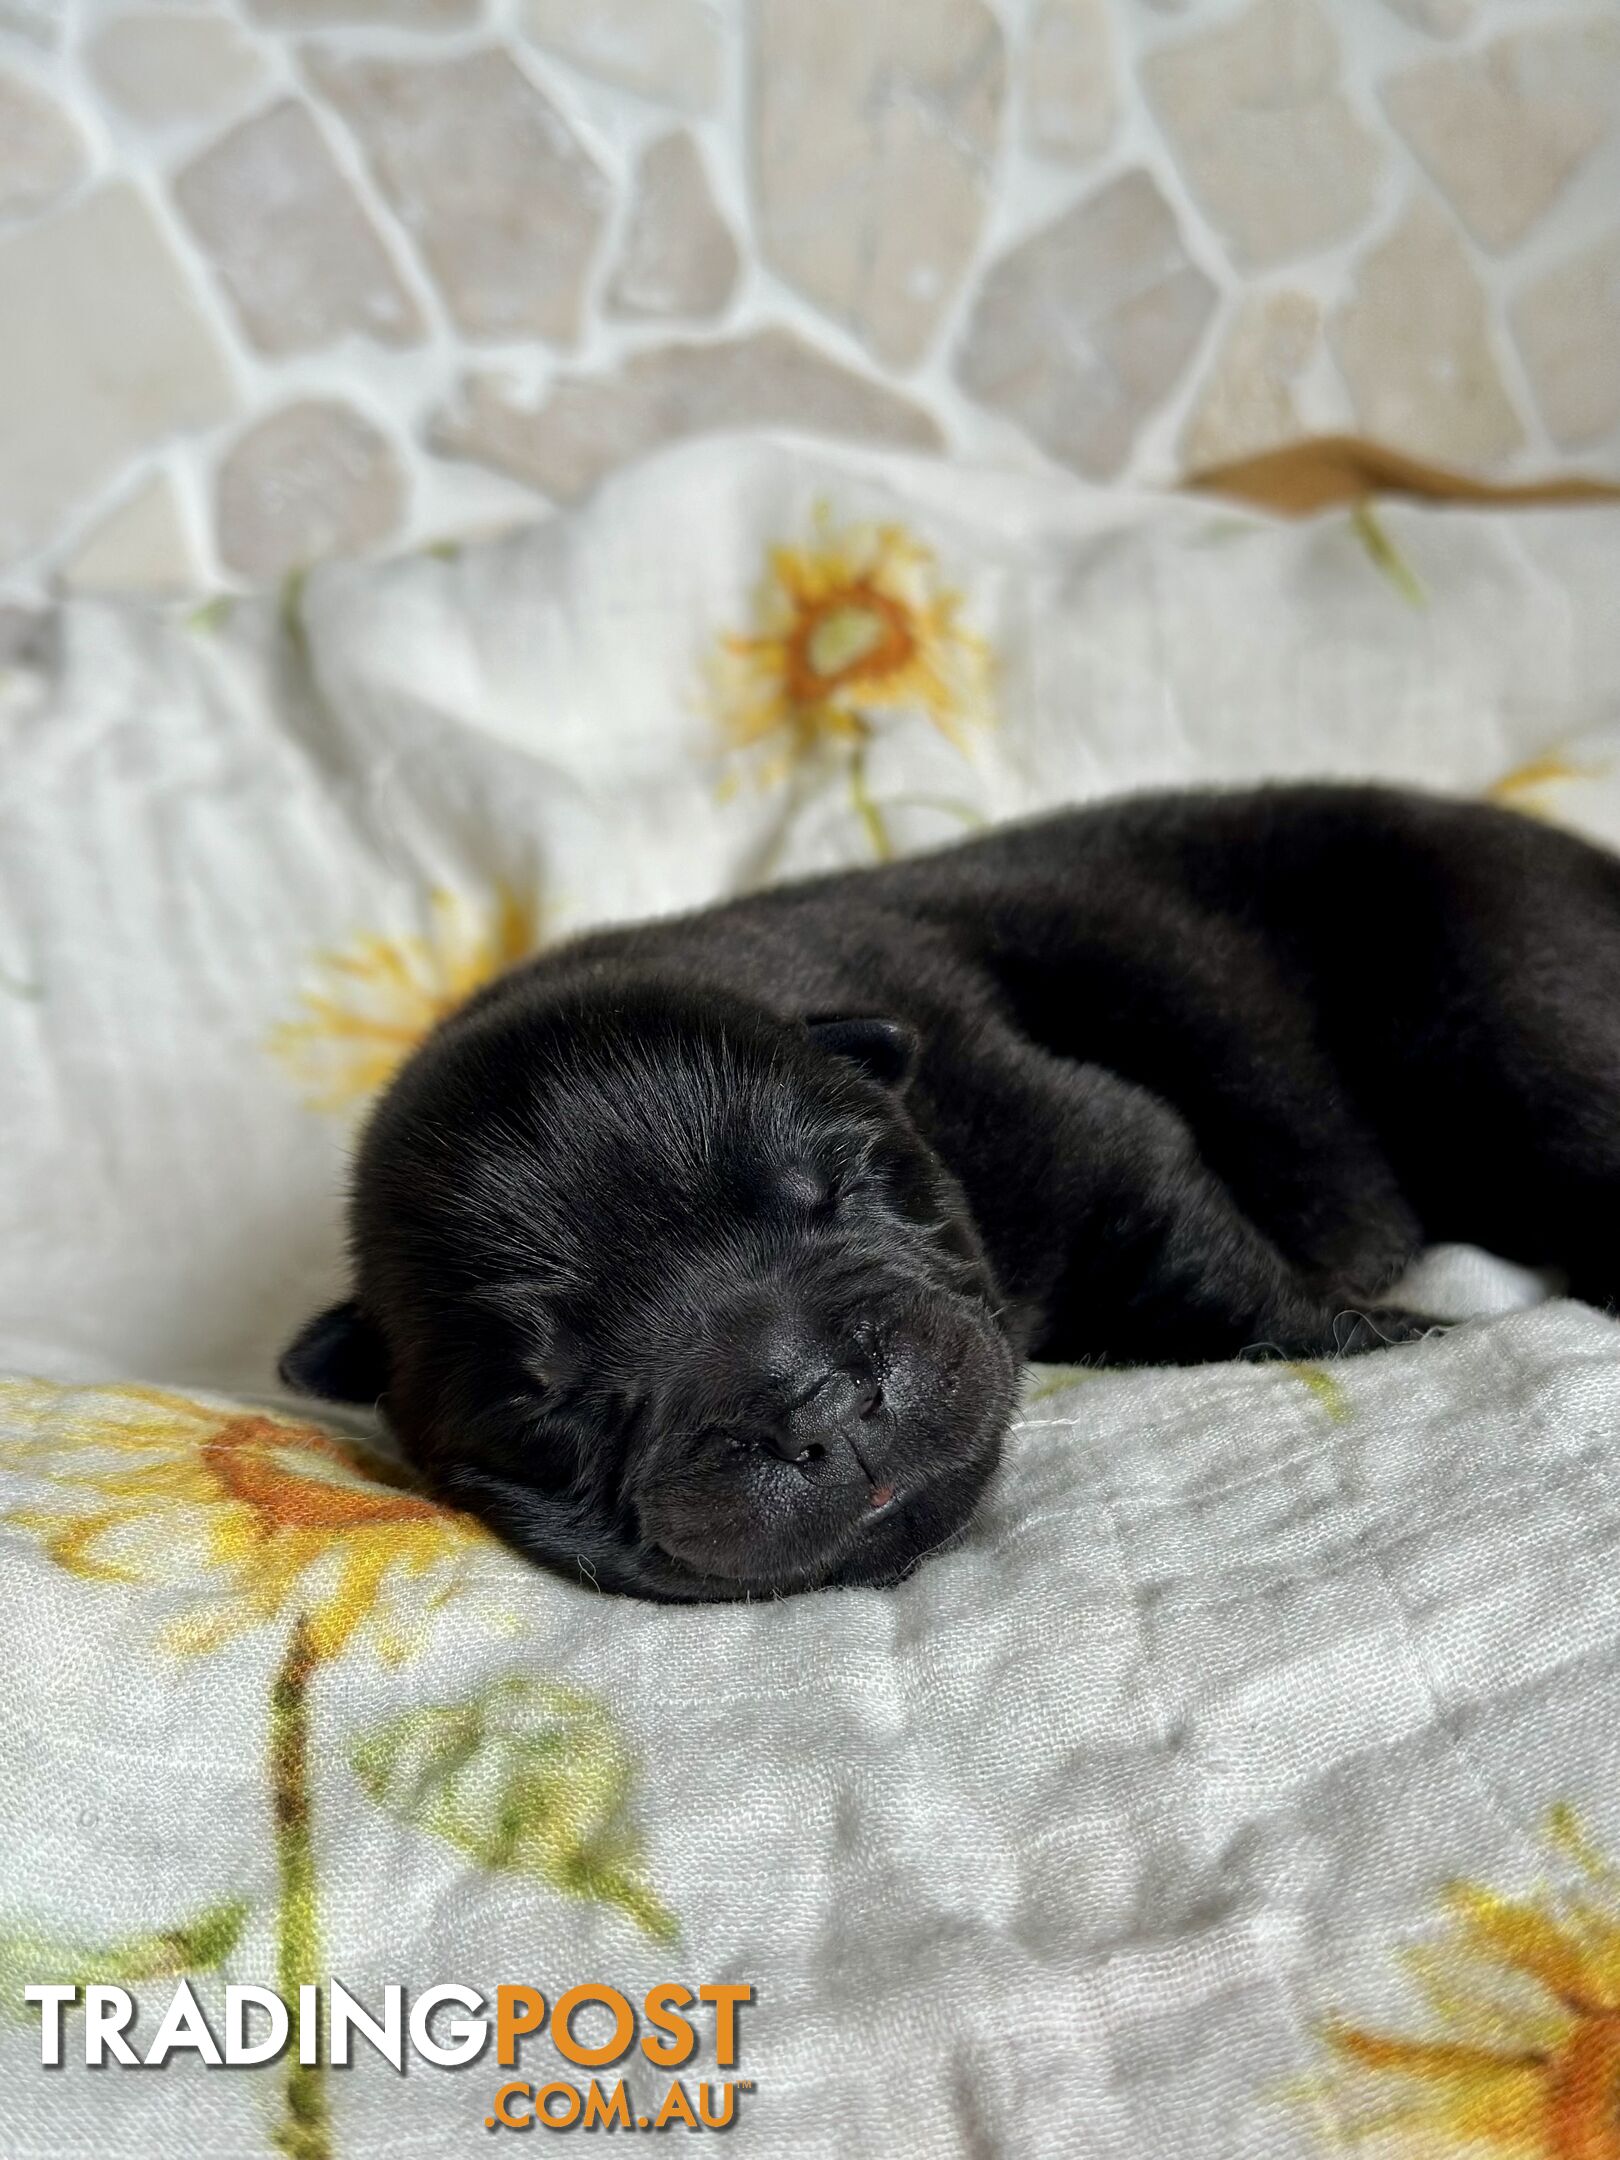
(809, 1190)
(531, 1333)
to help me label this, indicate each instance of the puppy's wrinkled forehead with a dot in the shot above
(569, 1146)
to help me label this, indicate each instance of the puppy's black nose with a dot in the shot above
(827, 1413)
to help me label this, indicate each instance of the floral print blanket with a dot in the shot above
(1249, 1782)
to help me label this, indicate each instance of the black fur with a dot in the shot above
(700, 1257)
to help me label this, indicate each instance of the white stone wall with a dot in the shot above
(283, 278)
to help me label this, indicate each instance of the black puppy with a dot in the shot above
(701, 1257)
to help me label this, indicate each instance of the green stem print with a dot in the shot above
(1327, 1391)
(309, 1531)
(305, 2131)
(860, 794)
(1370, 530)
(195, 1946)
(1042, 1382)
(527, 1778)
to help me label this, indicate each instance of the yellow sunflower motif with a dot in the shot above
(279, 1522)
(381, 995)
(1528, 786)
(855, 625)
(283, 1517)
(1526, 1995)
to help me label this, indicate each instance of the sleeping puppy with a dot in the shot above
(701, 1257)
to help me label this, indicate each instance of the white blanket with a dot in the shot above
(1111, 1832)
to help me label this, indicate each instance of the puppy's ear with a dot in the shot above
(338, 1355)
(885, 1050)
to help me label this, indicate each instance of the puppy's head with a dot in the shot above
(672, 1292)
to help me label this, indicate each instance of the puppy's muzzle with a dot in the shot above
(829, 1413)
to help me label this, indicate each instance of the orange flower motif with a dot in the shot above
(1526, 1992)
(272, 1521)
(269, 1518)
(382, 995)
(856, 624)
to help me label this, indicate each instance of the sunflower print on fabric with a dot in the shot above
(380, 995)
(269, 1522)
(1524, 2058)
(260, 1522)
(1534, 786)
(264, 1517)
(854, 627)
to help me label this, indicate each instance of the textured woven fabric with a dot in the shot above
(1111, 1831)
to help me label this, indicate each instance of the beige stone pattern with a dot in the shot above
(1071, 99)
(1118, 226)
(1414, 344)
(679, 256)
(1567, 325)
(312, 481)
(1081, 330)
(1502, 130)
(410, 14)
(499, 193)
(1265, 135)
(589, 424)
(874, 132)
(105, 355)
(140, 548)
(1440, 18)
(302, 262)
(158, 68)
(665, 49)
(42, 153)
(1247, 403)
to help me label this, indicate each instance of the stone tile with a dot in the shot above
(293, 246)
(1414, 345)
(1071, 101)
(1081, 330)
(42, 153)
(664, 49)
(160, 68)
(1266, 137)
(589, 424)
(1501, 130)
(1568, 329)
(141, 547)
(679, 256)
(105, 350)
(874, 133)
(1247, 402)
(313, 480)
(1440, 18)
(501, 196)
(410, 14)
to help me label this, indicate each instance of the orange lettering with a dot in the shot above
(682, 2039)
(513, 2122)
(725, 2000)
(624, 2025)
(517, 2010)
(676, 2106)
